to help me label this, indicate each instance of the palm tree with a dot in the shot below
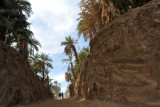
(44, 62)
(70, 47)
(82, 55)
(5, 22)
(12, 11)
(47, 79)
(94, 15)
(89, 19)
(33, 61)
(14, 28)
(27, 45)
(70, 65)
(40, 63)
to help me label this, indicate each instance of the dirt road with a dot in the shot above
(85, 103)
(73, 103)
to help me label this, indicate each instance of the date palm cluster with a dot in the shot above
(95, 14)
(15, 28)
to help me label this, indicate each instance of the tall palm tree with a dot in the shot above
(40, 63)
(44, 62)
(47, 80)
(27, 45)
(82, 55)
(34, 63)
(12, 11)
(70, 65)
(70, 47)
(94, 15)
(5, 22)
(14, 27)
(89, 19)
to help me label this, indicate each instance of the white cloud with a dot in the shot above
(52, 21)
(58, 77)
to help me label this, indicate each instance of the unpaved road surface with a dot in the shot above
(73, 103)
(84, 103)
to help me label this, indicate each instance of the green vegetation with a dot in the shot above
(82, 55)
(73, 69)
(95, 14)
(14, 27)
(40, 64)
(70, 74)
(70, 47)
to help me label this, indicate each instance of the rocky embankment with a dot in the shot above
(18, 85)
(124, 61)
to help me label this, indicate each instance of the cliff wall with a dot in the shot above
(124, 61)
(18, 85)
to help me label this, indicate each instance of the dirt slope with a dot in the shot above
(17, 82)
(124, 62)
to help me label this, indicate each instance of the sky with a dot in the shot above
(51, 21)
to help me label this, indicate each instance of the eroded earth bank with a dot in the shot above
(123, 67)
(124, 61)
(18, 85)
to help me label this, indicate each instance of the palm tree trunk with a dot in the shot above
(43, 74)
(47, 81)
(21, 47)
(26, 50)
(75, 53)
(2, 36)
(72, 70)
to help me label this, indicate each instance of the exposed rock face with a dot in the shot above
(18, 85)
(124, 62)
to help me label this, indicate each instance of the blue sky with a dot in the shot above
(51, 21)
